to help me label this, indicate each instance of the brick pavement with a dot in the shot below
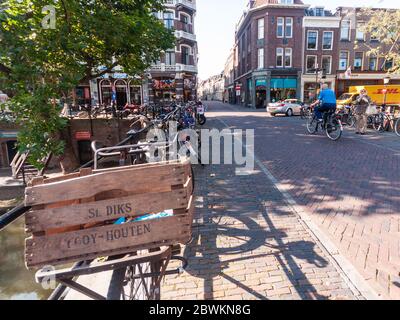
(249, 244)
(351, 188)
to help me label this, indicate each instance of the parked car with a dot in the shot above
(288, 107)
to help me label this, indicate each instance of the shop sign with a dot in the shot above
(82, 135)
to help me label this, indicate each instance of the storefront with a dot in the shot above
(261, 92)
(189, 87)
(164, 89)
(122, 90)
(283, 88)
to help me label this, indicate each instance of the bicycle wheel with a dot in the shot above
(351, 121)
(334, 129)
(397, 127)
(311, 125)
(378, 123)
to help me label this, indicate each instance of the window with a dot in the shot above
(360, 35)
(286, 1)
(374, 34)
(345, 30)
(358, 61)
(261, 58)
(373, 63)
(279, 57)
(319, 12)
(311, 64)
(169, 19)
(312, 38)
(327, 40)
(260, 23)
(343, 60)
(288, 57)
(388, 64)
(170, 57)
(327, 64)
(289, 28)
(185, 55)
(279, 30)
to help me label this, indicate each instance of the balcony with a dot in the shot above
(186, 35)
(186, 68)
(163, 68)
(191, 4)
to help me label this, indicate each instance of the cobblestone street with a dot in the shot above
(249, 243)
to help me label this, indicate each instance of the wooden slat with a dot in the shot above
(130, 180)
(132, 206)
(99, 241)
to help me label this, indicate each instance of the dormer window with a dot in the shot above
(319, 12)
(286, 1)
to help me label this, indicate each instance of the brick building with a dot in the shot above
(320, 54)
(174, 76)
(284, 49)
(366, 70)
(269, 52)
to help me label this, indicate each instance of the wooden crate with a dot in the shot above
(72, 217)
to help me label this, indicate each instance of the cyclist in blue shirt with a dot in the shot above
(326, 101)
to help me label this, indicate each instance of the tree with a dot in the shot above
(47, 50)
(383, 26)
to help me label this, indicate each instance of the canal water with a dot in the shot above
(16, 282)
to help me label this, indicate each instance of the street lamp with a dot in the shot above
(386, 81)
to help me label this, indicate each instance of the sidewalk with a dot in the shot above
(249, 244)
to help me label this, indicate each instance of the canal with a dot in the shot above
(16, 282)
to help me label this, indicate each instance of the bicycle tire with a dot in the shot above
(397, 127)
(311, 125)
(338, 128)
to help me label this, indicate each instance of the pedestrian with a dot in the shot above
(360, 110)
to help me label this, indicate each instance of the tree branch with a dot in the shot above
(89, 76)
(5, 69)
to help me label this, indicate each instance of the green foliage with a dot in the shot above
(383, 26)
(40, 66)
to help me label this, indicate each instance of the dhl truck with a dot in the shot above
(376, 93)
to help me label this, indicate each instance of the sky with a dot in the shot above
(215, 27)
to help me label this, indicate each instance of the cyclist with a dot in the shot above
(326, 102)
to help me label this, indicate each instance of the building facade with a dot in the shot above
(269, 52)
(320, 54)
(229, 78)
(173, 77)
(212, 89)
(366, 69)
(286, 49)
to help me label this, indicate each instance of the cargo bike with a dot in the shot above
(127, 222)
